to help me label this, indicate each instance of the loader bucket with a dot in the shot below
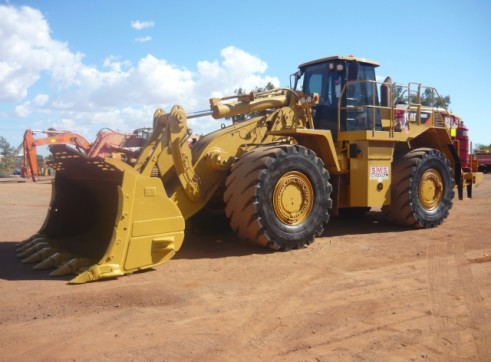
(105, 220)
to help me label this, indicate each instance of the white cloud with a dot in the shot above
(139, 25)
(70, 124)
(41, 99)
(143, 39)
(27, 50)
(115, 65)
(25, 109)
(118, 94)
(238, 69)
(14, 81)
(151, 81)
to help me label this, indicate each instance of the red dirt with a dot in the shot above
(364, 291)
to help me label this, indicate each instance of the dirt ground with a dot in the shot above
(365, 291)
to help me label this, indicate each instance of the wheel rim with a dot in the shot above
(293, 198)
(430, 189)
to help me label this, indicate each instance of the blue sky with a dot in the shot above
(84, 65)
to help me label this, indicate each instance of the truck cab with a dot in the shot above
(348, 94)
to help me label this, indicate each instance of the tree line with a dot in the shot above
(7, 157)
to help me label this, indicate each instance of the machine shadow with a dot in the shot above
(369, 223)
(199, 244)
(12, 268)
(224, 243)
(220, 244)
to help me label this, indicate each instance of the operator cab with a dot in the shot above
(347, 90)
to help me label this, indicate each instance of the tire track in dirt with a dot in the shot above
(264, 321)
(271, 326)
(474, 303)
(456, 303)
(366, 294)
(446, 336)
(264, 324)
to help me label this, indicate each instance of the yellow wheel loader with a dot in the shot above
(336, 141)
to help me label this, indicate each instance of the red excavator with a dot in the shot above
(29, 162)
(108, 143)
(122, 146)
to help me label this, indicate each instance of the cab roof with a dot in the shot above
(349, 58)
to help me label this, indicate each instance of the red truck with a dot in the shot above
(483, 161)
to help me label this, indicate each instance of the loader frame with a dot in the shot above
(277, 176)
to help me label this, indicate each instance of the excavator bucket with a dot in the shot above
(105, 220)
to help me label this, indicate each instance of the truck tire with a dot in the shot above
(422, 189)
(483, 169)
(278, 197)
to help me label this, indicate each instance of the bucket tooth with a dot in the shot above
(73, 266)
(20, 244)
(40, 255)
(84, 277)
(54, 260)
(33, 249)
(97, 272)
(26, 244)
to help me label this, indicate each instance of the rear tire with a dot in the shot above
(422, 189)
(278, 197)
(483, 169)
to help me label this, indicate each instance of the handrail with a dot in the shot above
(413, 96)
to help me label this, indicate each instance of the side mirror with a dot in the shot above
(296, 76)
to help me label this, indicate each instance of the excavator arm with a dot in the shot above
(30, 144)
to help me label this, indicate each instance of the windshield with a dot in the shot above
(363, 90)
(326, 82)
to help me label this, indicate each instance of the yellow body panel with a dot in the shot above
(370, 174)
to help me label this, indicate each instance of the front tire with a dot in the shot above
(278, 197)
(422, 189)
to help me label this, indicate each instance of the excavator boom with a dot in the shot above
(30, 144)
